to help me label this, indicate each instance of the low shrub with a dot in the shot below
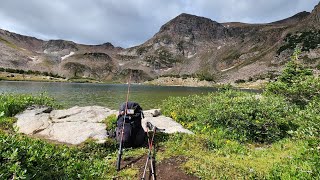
(11, 104)
(25, 158)
(205, 76)
(244, 116)
(307, 39)
(6, 123)
(239, 81)
(309, 120)
(111, 122)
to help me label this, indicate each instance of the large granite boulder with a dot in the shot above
(77, 124)
(72, 126)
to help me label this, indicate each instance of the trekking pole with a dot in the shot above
(150, 155)
(149, 158)
(122, 130)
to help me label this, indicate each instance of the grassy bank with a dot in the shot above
(244, 136)
(241, 136)
(29, 77)
(7, 76)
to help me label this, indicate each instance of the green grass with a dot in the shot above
(8, 43)
(215, 152)
(232, 160)
(28, 158)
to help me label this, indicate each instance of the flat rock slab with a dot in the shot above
(72, 126)
(77, 124)
(162, 122)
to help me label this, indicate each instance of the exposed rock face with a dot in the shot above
(94, 65)
(315, 15)
(59, 45)
(29, 53)
(77, 124)
(193, 28)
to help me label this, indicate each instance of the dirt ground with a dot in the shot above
(167, 169)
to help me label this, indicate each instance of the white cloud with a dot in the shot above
(131, 22)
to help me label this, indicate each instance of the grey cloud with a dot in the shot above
(250, 11)
(127, 23)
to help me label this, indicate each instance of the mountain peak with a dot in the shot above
(190, 18)
(108, 44)
(315, 14)
(293, 19)
(314, 18)
(187, 15)
(196, 26)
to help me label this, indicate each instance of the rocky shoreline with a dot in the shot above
(171, 81)
(194, 82)
(162, 81)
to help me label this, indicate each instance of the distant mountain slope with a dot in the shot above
(187, 45)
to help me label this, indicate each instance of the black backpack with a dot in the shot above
(133, 134)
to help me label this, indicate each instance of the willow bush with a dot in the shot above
(11, 104)
(245, 116)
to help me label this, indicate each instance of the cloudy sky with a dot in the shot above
(130, 22)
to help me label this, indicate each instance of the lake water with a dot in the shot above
(107, 95)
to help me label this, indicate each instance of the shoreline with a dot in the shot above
(163, 81)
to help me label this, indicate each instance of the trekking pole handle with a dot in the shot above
(152, 127)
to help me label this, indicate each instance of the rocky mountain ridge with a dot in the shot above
(186, 46)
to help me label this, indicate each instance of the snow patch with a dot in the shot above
(66, 56)
(227, 69)
(33, 58)
(219, 47)
(191, 55)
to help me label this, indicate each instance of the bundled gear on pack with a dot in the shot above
(129, 121)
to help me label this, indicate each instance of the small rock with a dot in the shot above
(156, 113)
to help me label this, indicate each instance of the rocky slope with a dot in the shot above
(187, 45)
(61, 57)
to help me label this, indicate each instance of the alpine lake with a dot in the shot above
(107, 95)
